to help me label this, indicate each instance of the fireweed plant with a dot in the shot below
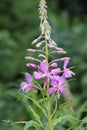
(52, 75)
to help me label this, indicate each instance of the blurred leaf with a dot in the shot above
(32, 124)
(81, 109)
(37, 104)
(65, 117)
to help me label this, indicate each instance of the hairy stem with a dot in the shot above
(50, 125)
(46, 30)
(46, 47)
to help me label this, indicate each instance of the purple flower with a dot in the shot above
(27, 86)
(57, 83)
(67, 72)
(46, 72)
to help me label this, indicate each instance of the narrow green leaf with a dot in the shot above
(32, 124)
(55, 109)
(85, 120)
(57, 112)
(34, 113)
(62, 106)
(81, 109)
(61, 118)
(37, 105)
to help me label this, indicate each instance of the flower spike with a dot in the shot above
(54, 76)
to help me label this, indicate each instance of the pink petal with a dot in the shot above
(62, 89)
(23, 85)
(55, 78)
(51, 90)
(61, 80)
(54, 81)
(68, 73)
(38, 75)
(66, 62)
(43, 66)
(27, 90)
(28, 77)
(46, 82)
(55, 71)
(57, 81)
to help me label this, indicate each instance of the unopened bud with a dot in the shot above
(32, 66)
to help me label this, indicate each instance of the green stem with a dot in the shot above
(50, 125)
(46, 47)
(48, 102)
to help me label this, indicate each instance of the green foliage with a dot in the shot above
(32, 124)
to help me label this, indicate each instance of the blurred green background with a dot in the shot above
(19, 25)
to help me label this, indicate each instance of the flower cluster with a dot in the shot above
(53, 76)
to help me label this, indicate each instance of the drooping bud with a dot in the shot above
(32, 66)
(34, 50)
(54, 64)
(41, 55)
(40, 43)
(37, 39)
(32, 58)
(60, 52)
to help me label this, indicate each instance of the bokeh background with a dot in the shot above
(19, 25)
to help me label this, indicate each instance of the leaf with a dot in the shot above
(34, 113)
(85, 120)
(37, 117)
(82, 108)
(7, 121)
(32, 124)
(61, 107)
(55, 109)
(61, 118)
(38, 105)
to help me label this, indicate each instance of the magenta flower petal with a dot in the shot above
(62, 89)
(38, 75)
(24, 87)
(55, 71)
(54, 81)
(55, 77)
(43, 66)
(27, 90)
(46, 80)
(61, 80)
(52, 90)
(66, 62)
(68, 73)
(28, 77)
